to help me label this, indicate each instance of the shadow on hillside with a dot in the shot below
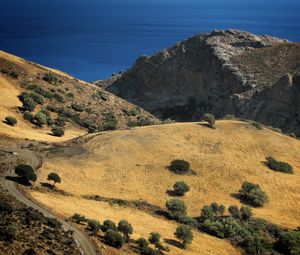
(242, 199)
(46, 185)
(173, 243)
(172, 193)
(163, 214)
(205, 125)
(18, 180)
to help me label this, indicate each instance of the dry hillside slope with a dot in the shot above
(133, 164)
(77, 105)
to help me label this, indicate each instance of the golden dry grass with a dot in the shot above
(9, 103)
(132, 164)
(142, 222)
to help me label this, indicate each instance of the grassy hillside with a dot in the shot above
(133, 165)
(78, 106)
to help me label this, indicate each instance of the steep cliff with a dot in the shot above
(223, 72)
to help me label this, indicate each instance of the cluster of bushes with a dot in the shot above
(99, 95)
(11, 73)
(39, 90)
(114, 235)
(111, 122)
(180, 188)
(279, 166)
(154, 239)
(252, 194)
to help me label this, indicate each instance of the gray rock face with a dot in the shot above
(223, 72)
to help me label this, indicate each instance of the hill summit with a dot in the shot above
(222, 72)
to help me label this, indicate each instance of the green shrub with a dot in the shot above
(185, 234)
(78, 107)
(180, 188)
(144, 121)
(94, 226)
(229, 117)
(180, 166)
(210, 118)
(90, 125)
(53, 223)
(78, 218)
(27, 115)
(289, 243)
(25, 172)
(176, 207)
(29, 104)
(5, 71)
(70, 95)
(58, 98)
(11, 120)
(253, 194)
(5, 207)
(40, 119)
(187, 220)
(111, 122)
(39, 90)
(58, 131)
(50, 78)
(114, 239)
(154, 238)
(108, 225)
(279, 166)
(8, 233)
(142, 244)
(126, 228)
(14, 74)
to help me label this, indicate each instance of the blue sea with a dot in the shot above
(90, 39)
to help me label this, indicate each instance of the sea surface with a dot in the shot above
(91, 39)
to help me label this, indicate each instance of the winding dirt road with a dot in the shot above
(82, 240)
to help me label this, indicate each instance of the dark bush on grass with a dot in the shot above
(11, 120)
(114, 239)
(279, 166)
(180, 166)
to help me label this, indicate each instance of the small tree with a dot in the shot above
(185, 234)
(154, 238)
(54, 177)
(180, 188)
(142, 244)
(126, 228)
(210, 118)
(114, 239)
(180, 166)
(94, 226)
(279, 166)
(27, 115)
(245, 213)
(26, 172)
(108, 224)
(58, 131)
(234, 211)
(176, 207)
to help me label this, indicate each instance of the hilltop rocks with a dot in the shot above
(221, 72)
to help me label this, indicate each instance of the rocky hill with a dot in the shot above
(223, 72)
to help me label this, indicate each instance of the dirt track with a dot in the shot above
(86, 247)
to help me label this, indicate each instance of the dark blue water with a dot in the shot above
(90, 39)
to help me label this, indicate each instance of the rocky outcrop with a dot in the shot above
(223, 72)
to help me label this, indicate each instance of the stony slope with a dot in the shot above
(70, 102)
(223, 72)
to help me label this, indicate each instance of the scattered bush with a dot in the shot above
(54, 177)
(70, 95)
(53, 223)
(180, 188)
(40, 119)
(50, 78)
(14, 74)
(229, 117)
(185, 234)
(8, 233)
(4, 71)
(253, 194)
(90, 125)
(25, 172)
(78, 218)
(29, 104)
(39, 90)
(144, 121)
(108, 225)
(111, 122)
(11, 120)
(58, 131)
(180, 166)
(176, 207)
(114, 239)
(210, 118)
(27, 115)
(58, 98)
(78, 107)
(279, 166)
